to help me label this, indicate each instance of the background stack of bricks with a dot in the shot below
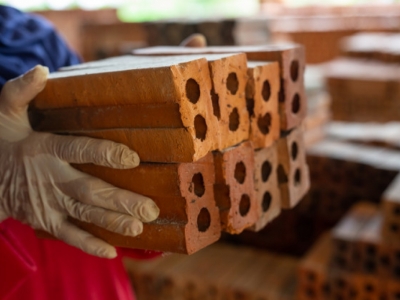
(356, 260)
(214, 154)
(220, 271)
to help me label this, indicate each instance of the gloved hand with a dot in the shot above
(40, 188)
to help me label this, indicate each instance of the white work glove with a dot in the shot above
(40, 188)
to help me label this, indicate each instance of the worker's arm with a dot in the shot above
(40, 188)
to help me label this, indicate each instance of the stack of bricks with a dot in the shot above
(363, 90)
(220, 271)
(354, 261)
(341, 174)
(219, 137)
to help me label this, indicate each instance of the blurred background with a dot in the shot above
(352, 135)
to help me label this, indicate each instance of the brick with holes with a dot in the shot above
(391, 212)
(161, 107)
(266, 185)
(189, 219)
(312, 272)
(234, 188)
(346, 234)
(293, 173)
(262, 102)
(291, 59)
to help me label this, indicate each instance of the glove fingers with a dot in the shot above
(112, 221)
(95, 192)
(89, 150)
(83, 240)
(17, 93)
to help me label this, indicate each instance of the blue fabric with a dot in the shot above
(27, 40)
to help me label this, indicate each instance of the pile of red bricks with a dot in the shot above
(218, 133)
(220, 271)
(354, 261)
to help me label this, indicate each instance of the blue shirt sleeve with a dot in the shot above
(27, 40)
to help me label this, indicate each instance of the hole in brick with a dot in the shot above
(266, 203)
(250, 106)
(397, 295)
(369, 288)
(215, 103)
(397, 255)
(240, 172)
(311, 276)
(297, 176)
(203, 220)
(341, 262)
(310, 292)
(296, 104)
(266, 90)
(200, 127)
(396, 272)
(232, 83)
(192, 90)
(294, 150)
(385, 261)
(371, 250)
(326, 289)
(282, 177)
(396, 211)
(340, 283)
(234, 120)
(244, 205)
(342, 246)
(264, 123)
(294, 70)
(394, 227)
(266, 170)
(370, 266)
(198, 184)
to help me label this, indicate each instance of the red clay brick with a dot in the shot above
(234, 188)
(262, 92)
(181, 85)
(293, 173)
(189, 219)
(266, 185)
(291, 59)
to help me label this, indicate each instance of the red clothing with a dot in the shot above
(33, 268)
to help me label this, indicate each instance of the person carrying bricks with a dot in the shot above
(40, 190)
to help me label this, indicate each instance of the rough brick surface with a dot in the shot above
(189, 219)
(234, 188)
(262, 92)
(178, 86)
(293, 173)
(266, 185)
(291, 59)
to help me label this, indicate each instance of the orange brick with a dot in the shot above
(291, 59)
(177, 90)
(266, 185)
(189, 219)
(293, 173)
(262, 92)
(234, 188)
